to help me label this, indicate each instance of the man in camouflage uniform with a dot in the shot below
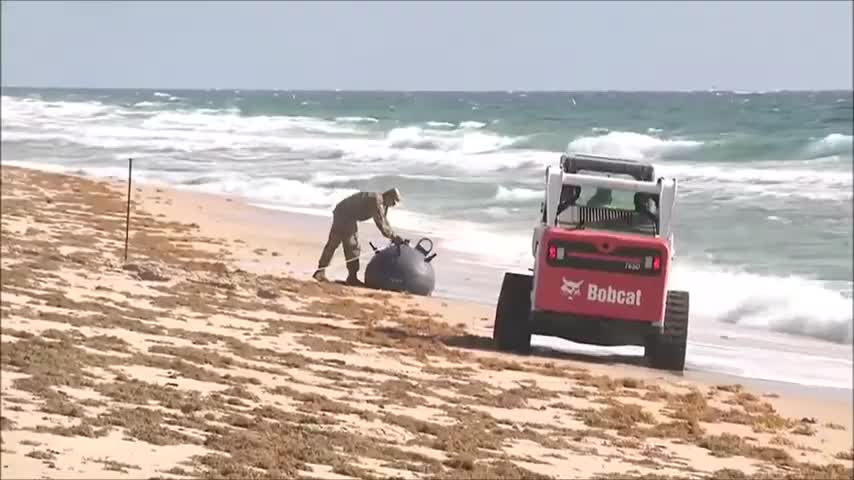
(356, 208)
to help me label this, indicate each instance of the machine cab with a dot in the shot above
(607, 194)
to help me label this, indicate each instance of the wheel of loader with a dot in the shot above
(511, 331)
(666, 350)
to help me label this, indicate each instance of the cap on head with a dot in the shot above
(391, 196)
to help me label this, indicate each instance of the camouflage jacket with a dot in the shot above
(362, 206)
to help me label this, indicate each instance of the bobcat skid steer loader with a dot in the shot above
(602, 249)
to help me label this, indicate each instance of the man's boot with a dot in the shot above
(353, 269)
(320, 275)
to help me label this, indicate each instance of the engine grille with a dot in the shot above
(576, 214)
(606, 218)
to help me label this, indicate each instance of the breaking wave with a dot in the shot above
(440, 124)
(511, 195)
(767, 179)
(790, 305)
(831, 145)
(466, 143)
(273, 190)
(356, 119)
(631, 145)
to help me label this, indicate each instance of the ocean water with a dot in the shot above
(763, 221)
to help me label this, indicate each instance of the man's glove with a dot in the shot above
(397, 240)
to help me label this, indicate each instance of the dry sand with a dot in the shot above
(194, 360)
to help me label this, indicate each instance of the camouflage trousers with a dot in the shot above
(344, 232)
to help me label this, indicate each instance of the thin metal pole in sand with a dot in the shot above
(127, 219)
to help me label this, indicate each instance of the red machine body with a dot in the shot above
(602, 256)
(601, 274)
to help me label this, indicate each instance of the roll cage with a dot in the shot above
(563, 188)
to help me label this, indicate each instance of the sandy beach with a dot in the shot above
(211, 353)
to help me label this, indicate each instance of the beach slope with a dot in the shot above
(184, 361)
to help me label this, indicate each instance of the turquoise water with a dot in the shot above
(764, 218)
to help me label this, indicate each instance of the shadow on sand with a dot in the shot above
(486, 344)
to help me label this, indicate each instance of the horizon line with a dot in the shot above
(374, 90)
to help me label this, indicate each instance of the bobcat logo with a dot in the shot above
(571, 289)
